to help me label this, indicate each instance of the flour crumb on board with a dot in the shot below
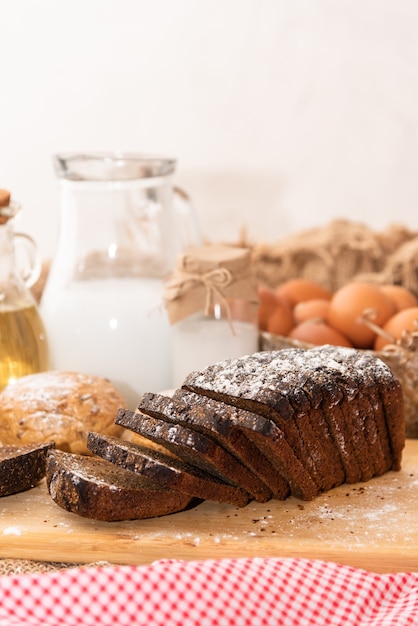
(12, 530)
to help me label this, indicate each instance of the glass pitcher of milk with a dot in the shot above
(122, 225)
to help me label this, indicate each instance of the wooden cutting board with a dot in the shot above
(371, 525)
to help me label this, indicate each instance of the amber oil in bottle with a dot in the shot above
(23, 341)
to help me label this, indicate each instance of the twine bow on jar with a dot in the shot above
(214, 282)
(209, 276)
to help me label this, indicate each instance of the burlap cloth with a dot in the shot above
(338, 253)
(9, 567)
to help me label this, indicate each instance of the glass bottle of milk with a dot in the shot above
(212, 304)
(121, 227)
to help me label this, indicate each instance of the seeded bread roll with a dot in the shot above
(58, 406)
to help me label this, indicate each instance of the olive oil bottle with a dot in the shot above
(23, 341)
(23, 344)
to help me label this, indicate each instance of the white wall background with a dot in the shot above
(283, 114)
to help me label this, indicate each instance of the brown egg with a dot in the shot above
(400, 296)
(319, 333)
(281, 320)
(268, 301)
(350, 303)
(311, 309)
(405, 320)
(300, 289)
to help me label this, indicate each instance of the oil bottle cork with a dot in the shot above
(4, 202)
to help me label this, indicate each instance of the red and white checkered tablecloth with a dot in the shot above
(223, 592)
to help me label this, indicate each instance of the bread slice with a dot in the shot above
(22, 467)
(168, 471)
(97, 489)
(269, 439)
(220, 422)
(195, 448)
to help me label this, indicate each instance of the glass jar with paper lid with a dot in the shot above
(212, 304)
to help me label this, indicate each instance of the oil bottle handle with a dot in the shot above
(29, 263)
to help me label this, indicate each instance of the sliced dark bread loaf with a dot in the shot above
(170, 472)
(390, 398)
(343, 387)
(376, 432)
(269, 439)
(320, 421)
(332, 403)
(299, 387)
(393, 403)
(379, 398)
(221, 422)
(22, 467)
(351, 417)
(325, 468)
(367, 417)
(97, 489)
(352, 371)
(260, 383)
(265, 435)
(195, 448)
(336, 431)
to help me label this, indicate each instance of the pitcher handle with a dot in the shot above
(189, 233)
(31, 269)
